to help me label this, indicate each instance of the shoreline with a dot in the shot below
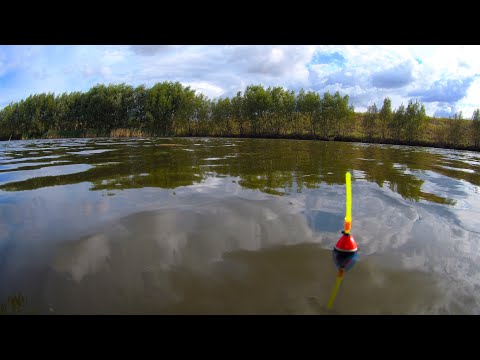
(418, 143)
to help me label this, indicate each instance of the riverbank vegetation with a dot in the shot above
(171, 109)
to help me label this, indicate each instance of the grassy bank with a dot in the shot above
(432, 136)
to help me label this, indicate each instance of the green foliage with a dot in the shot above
(414, 120)
(455, 130)
(397, 123)
(476, 128)
(370, 122)
(257, 102)
(339, 113)
(440, 132)
(282, 109)
(222, 116)
(165, 103)
(238, 113)
(171, 109)
(309, 105)
(385, 117)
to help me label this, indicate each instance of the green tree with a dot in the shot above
(385, 117)
(397, 124)
(309, 106)
(257, 103)
(415, 115)
(137, 114)
(476, 128)
(276, 114)
(455, 133)
(201, 115)
(289, 110)
(342, 117)
(370, 121)
(162, 106)
(238, 113)
(223, 116)
(440, 131)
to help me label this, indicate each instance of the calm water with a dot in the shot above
(235, 226)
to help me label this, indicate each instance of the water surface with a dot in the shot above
(236, 226)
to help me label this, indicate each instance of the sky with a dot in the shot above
(444, 78)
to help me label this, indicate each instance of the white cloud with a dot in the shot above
(472, 100)
(366, 73)
(112, 56)
(106, 72)
(212, 91)
(393, 77)
(445, 90)
(148, 50)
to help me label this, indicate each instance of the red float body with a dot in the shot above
(346, 243)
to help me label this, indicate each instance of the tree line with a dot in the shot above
(171, 109)
(411, 125)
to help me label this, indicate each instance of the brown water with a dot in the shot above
(235, 226)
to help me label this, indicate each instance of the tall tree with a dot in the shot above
(137, 113)
(342, 116)
(415, 115)
(163, 106)
(238, 112)
(476, 128)
(309, 105)
(385, 117)
(455, 133)
(397, 123)
(222, 116)
(370, 121)
(257, 102)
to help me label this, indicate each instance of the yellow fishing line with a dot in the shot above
(335, 289)
(348, 207)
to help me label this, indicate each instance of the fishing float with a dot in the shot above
(345, 251)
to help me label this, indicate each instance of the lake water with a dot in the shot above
(235, 226)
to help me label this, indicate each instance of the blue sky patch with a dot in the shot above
(328, 58)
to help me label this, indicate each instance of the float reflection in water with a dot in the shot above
(345, 251)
